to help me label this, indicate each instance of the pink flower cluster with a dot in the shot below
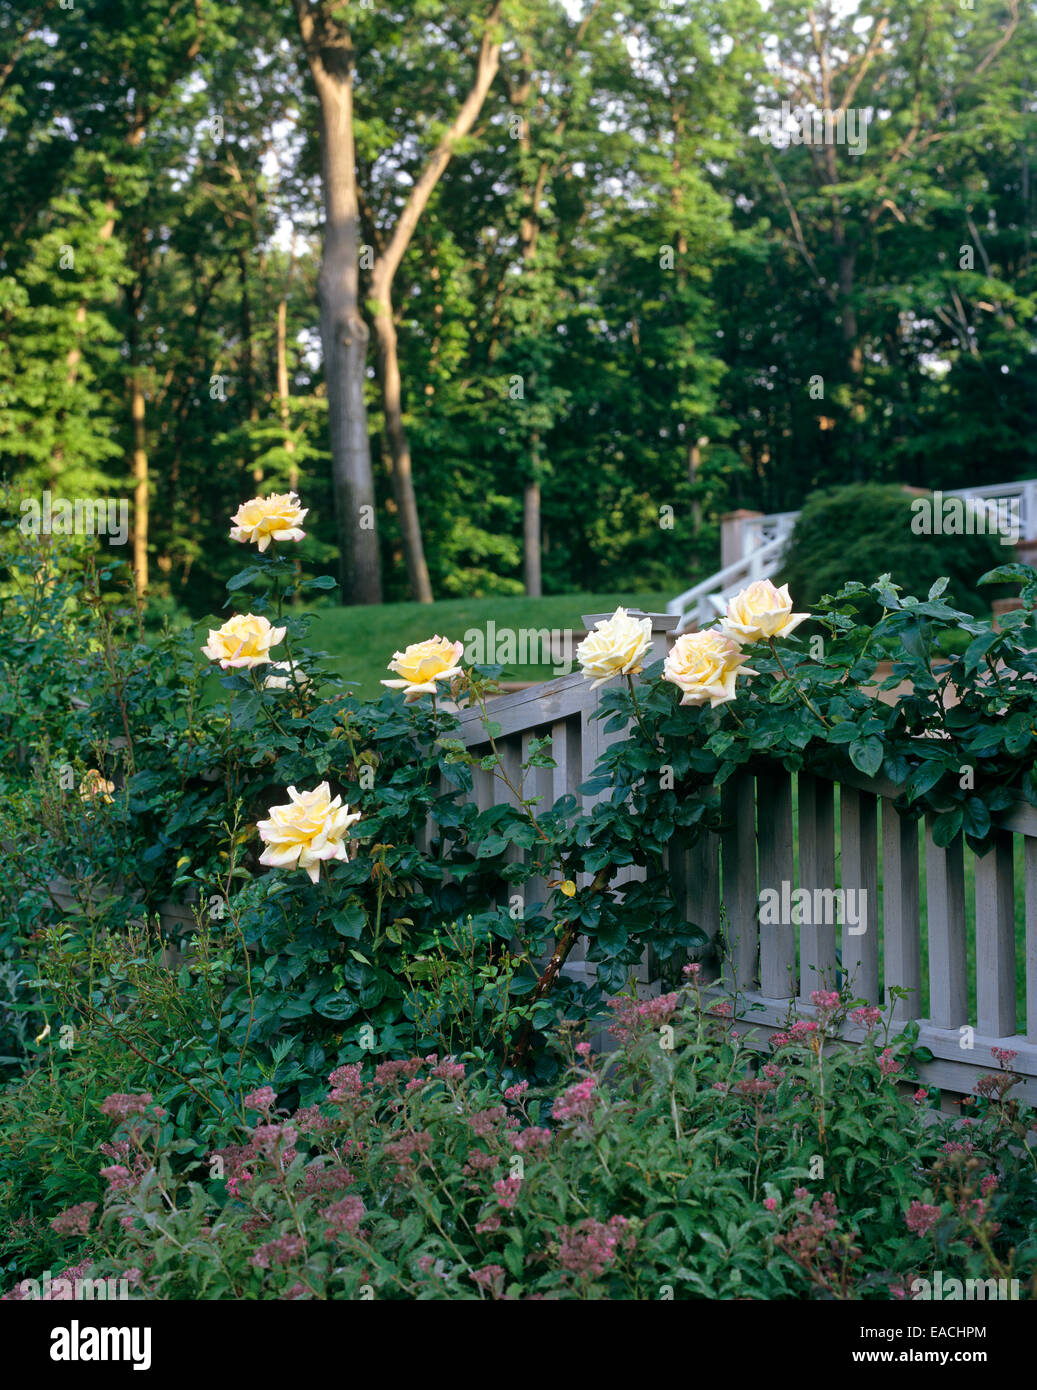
(507, 1190)
(588, 1248)
(578, 1102)
(121, 1107)
(278, 1252)
(74, 1221)
(634, 1017)
(264, 1099)
(888, 1064)
(1003, 1056)
(799, 1032)
(921, 1217)
(344, 1215)
(531, 1140)
(489, 1277)
(867, 1016)
(825, 1001)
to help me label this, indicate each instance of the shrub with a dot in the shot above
(858, 532)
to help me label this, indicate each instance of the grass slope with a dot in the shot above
(362, 640)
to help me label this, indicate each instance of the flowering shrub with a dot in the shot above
(684, 1165)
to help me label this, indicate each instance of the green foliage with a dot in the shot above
(684, 1165)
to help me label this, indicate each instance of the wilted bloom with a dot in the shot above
(760, 612)
(294, 675)
(309, 828)
(615, 647)
(243, 641)
(704, 666)
(94, 787)
(422, 664)
(264, 519)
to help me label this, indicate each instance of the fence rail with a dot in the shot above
(784, 831)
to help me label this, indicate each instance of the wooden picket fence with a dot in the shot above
(767, 970)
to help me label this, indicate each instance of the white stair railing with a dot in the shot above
(764, 538)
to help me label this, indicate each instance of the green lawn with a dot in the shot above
(362, 641)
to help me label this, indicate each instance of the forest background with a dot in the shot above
(520, 296)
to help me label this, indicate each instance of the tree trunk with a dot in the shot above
(402, 471)
(382, 276)
(282, 392)
(140, 477)
(344, 333)
(531, 538)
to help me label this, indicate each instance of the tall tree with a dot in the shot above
(344, 334)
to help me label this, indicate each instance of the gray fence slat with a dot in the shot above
(817, 939)
(778, 978)
(1030, 852)
(995, 938)
(702, 898)
(738, 860)
(860, 874)
(901, 934)
(945, 910)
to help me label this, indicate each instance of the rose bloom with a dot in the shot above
(705, 665)
(94, 787)
(615, 647)
(243, 640)
(422, 664)
(761, 612)
(291, 677)
(265, 519)
(310, 828)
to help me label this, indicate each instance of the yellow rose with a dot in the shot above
(265, 519)
(244, 640)
(705, 665)
(761, 612)
(311, 827)
(95, 788)
(615, 647)
(422, 664)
